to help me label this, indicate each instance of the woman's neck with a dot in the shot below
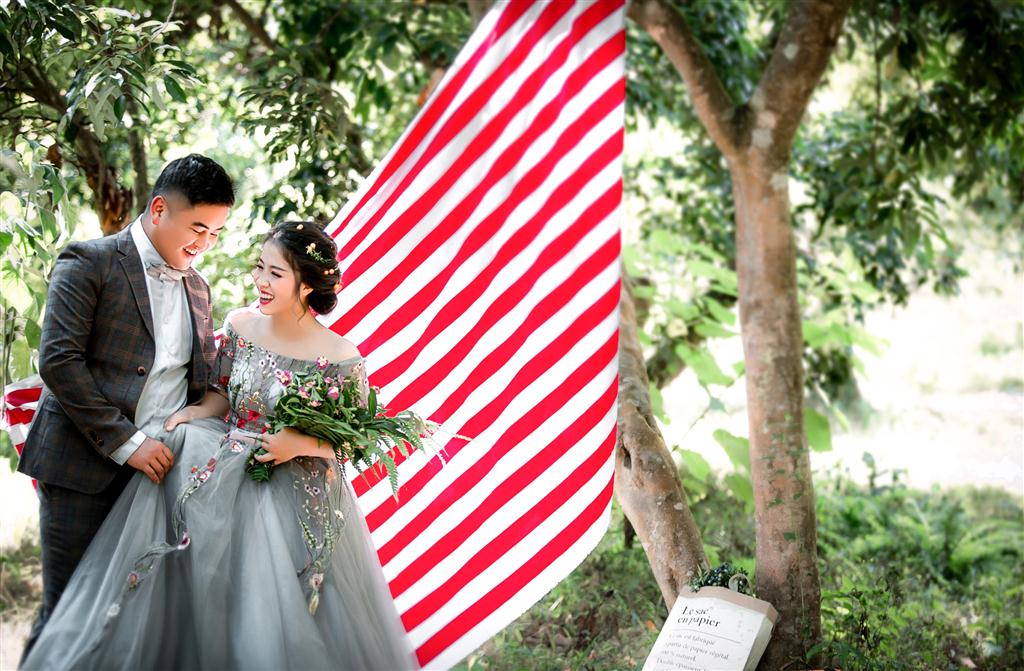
(288, 326)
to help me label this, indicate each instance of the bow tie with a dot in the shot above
(165, 273)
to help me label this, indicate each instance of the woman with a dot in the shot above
(214, 570)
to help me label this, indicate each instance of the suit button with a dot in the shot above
(141, 370)
(100, 442)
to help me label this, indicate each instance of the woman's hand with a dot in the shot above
(285, 445)
(186, 414)
(213, 404)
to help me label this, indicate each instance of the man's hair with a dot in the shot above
(201, 180)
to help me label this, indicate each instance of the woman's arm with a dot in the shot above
(214, 404)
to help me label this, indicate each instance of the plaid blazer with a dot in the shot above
(94, 357)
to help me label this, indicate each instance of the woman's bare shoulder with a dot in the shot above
(339, 348)
(242, 320)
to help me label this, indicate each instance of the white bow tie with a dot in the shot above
(165, 273)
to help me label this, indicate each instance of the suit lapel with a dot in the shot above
(131, 262)
(199, 310)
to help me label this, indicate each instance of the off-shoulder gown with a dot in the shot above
(211, 570)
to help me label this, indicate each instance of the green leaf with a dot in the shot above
(657, 403)
(49, 222)
(719, 312)
(696, 466)
(703, 365)
(741, 488)
(737, 448)
(819, 433)
(174, 89)
(32, 333)
(713, 330)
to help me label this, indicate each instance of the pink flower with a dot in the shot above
(315, 404)
(133, 579)
(241, 341)
(303, 393)
(224, 380)
(315, 580)
(236, 447)
(204, 476)
(334, 393)
(283, 376)
(321, 362)
(211, 463)
(328, 380)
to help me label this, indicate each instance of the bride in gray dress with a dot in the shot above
(212, 570)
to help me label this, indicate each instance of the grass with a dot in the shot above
(20, 578)
(910, 580)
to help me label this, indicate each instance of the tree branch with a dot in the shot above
(798, 61)
(647, 482)
(715, 108)
(478, 9)
(255, 28)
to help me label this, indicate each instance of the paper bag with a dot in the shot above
(713, 629)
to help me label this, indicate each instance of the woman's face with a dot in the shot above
(279, 287)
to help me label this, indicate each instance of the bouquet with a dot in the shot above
(329, 409)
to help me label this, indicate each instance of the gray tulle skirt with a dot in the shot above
(210, 570)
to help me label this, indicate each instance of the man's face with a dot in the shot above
(182, 232)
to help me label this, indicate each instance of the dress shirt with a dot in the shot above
(166, 389)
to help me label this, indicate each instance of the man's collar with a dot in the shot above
(150, 256)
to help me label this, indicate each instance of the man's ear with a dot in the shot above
(157, 209)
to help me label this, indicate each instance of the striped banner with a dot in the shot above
(481, 282)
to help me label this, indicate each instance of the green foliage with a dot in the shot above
(80, 66)
(36, 221)
(605, 616)
(19, 579)
(723, 575)
(332, 411)
(914, 580)
(897, 596)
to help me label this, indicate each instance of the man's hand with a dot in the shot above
(152, 458)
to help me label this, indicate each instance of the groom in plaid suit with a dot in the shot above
(127, 340)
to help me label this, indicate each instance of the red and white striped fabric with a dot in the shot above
(481, 282)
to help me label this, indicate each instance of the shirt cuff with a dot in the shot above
(124, 453)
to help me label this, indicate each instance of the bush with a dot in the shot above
(910, 580)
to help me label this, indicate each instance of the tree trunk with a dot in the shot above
(137, 145)
(111, 200)
(646, 479)
(787, 571)
(756, 140)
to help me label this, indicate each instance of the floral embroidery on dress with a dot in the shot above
(253, 379)
(243, 370)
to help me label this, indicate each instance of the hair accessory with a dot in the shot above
(311, 250)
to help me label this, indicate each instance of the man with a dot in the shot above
(127, 340)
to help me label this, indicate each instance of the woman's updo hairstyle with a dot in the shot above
(313, 255)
